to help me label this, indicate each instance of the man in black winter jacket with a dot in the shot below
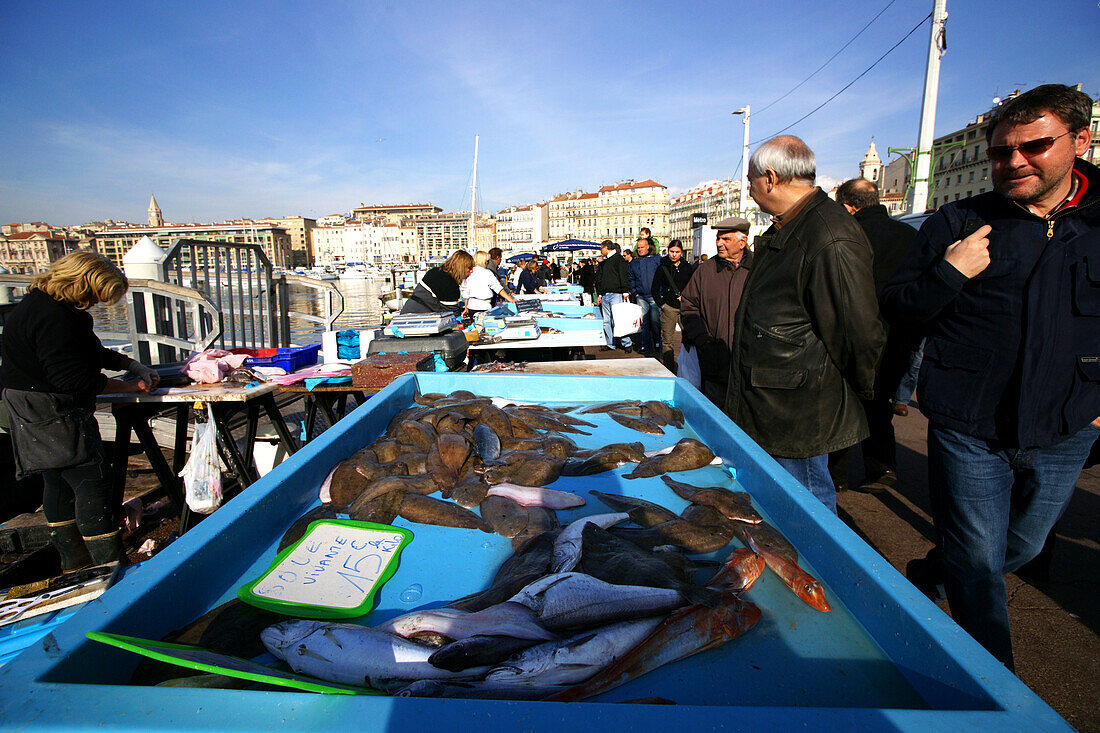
(808, 335)
(1006, 287)
(612, 286)
(890, 240)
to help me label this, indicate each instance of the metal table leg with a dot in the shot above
(281, 429)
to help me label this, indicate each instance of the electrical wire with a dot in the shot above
(819, 68)
(845, 88)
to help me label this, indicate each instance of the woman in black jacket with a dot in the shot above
(441, 289)
(51, 374)
(669, 280)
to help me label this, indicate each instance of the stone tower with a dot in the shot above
(155, 218)
(871, 166)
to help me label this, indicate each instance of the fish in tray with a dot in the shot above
(730, 504)
(641, 424)
(576, 600)
(686, 632)
(503, 619)
(537, 496)
(686, 455)
(801, 583)
(739, 571)
(678, 532)
(567, 547)
(478, 651)
(641, 511)
(519, 570)
(353, 655)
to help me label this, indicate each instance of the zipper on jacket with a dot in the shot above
(1050, 229)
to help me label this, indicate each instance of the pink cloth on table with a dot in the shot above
(316, 371)
(211, 366)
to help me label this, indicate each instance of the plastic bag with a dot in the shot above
(626, 318)
(202, 474)
(687, 366)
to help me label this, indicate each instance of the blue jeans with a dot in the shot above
(813, 473)
(606, 301)
(993, 508)
(909, 379)
(650, 333)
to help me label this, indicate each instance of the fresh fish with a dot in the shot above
(801, 583)
(551, 444)
(663, 413)
(686, 632)
(504, 619)
(528, 469)
(607, 458)
(487, 445)
(768, 538)
(730, 504)
(434, 639)
(610, 406)
(537, 496)
(556, 416)
(567, 547)
(301, 524)
(386, 451)
(643, 512)
(348, 481)
(505, 516)
(478, 651)
(621, 562)
(380, 510)
(349, 654)
(470, 491)
(717, 461)
(426, 510)
(738, 572)
(542, 421)
(572, 660)
(637, 423)
(496, 420)
(520, 569)
(686, 455)
(417, 433)
(680, 533)
(406, 484)
(628, 452)
(539, 520)
(325, 492)
(576, 600)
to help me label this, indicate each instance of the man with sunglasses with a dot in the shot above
(1006, 286)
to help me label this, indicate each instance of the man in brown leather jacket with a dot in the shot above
(808, 335)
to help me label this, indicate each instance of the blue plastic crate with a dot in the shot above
(291, 358)
(885, 658)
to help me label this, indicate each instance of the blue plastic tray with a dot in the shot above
(884, 658)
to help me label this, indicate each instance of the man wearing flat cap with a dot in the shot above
(708, 305)
(808, 336)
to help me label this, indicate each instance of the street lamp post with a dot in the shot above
(744, 162)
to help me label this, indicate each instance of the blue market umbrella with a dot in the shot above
(520, 257)
(570, 245)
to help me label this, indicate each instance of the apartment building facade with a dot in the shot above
(523, 228)
(114, 242)
(624, 208)
(438, 235)
(716, 199)
(30, 251)
(300, 229)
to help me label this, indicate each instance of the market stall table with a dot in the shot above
(133, 412)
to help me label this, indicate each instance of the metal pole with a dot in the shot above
(936, 47)
(744, 193)
(472, 239)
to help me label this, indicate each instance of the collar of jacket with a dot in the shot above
(1090, 197)
(745, 261)
(878, 211)
(776, 237)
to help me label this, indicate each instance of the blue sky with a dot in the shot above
(238, 109)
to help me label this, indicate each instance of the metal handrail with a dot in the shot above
(205, 326)
(334, 300)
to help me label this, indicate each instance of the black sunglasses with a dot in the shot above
(1001, 153)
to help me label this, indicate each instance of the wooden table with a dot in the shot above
(330, 399)
(132, 412)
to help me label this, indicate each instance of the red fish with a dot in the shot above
(686, 632)
(801, 583)
(738, 572)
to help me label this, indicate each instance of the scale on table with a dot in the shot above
(421, 324)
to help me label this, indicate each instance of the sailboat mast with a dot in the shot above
(473, 199)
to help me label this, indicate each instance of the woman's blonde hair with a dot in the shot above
(83, 278)
(481, 258)
(458, 265)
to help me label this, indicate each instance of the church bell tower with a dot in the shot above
(155, 217)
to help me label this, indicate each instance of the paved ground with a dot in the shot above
(1055, 624)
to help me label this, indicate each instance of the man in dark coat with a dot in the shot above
(1006, 286)
(808, 335)
(613, 286)
(641, 271)
(890, 240)
(708, 305)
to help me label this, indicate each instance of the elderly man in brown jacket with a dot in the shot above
(708, 305)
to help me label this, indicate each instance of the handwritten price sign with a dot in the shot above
(332, 572)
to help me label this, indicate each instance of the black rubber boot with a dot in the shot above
(105, 548)
(65, 536)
